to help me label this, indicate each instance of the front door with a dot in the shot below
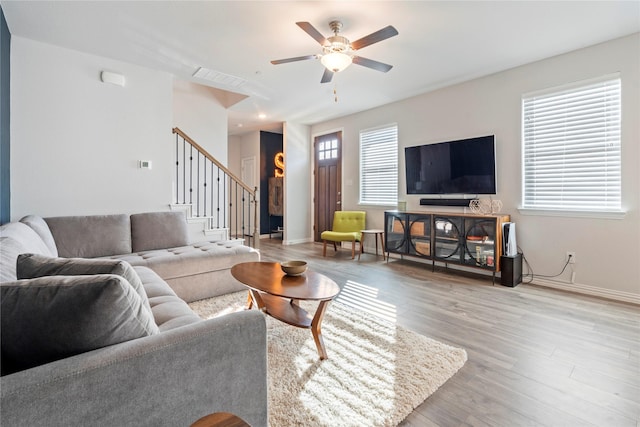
(327, 185)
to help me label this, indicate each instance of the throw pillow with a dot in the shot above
(55, 317)
(17, 238)
(30, 266)
(40, 226)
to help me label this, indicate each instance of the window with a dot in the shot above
(571, 147)
(379, 166)
(328, 149)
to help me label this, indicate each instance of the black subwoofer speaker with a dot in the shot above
(511, 270)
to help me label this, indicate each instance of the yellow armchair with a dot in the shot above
(346, 228)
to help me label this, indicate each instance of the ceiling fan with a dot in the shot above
(338, 52)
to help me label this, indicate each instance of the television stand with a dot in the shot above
(453, 239)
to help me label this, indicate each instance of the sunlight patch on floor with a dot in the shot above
(362, 357)
(365, 298)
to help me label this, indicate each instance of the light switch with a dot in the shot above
(144, 164)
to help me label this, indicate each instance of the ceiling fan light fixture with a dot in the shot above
(336, 61)
(338, 52)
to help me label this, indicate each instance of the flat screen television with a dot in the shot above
(466, 166)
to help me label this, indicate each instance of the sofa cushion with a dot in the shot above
(201, 257)
(158, 230)
(30, 266)
(17, 238)
(91, 236)
(39, 225)
(169, 311)
(55, 317)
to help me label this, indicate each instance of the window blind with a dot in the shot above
(571, 148)
(379, 166)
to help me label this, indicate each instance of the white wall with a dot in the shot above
(199, 113)
(243, 146)
(234, 153)
(607, 250)
(297, 184)
(239, 148)
(81, 157)
(75, 141)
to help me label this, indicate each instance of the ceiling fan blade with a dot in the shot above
(370, 63)
(297, 58)
(326, 76)
(311, 30)
(376, 37)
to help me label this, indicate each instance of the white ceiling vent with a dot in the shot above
(219, 78)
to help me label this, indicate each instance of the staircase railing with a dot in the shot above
(213, 192)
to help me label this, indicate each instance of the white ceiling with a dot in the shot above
(439, 43)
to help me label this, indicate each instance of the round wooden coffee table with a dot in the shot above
(220, 419)
(277, 294)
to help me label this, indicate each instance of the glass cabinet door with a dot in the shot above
(395, 225)
(480, 237)
(419, 235)
(448, 233)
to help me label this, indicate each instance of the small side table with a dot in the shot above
(375, 234)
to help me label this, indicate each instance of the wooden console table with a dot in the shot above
(453, 239)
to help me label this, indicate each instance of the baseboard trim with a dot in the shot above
(295, 242)
(589, 290)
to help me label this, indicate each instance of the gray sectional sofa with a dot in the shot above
(96, 329)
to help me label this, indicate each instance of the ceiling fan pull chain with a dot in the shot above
(335, 92)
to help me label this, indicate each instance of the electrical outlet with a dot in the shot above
(571, 257)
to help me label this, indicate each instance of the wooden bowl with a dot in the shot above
(294, 268)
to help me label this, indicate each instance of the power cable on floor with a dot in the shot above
(532, 275)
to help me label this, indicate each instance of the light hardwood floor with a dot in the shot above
(536, 356)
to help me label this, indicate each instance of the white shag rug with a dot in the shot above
(376, 373)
